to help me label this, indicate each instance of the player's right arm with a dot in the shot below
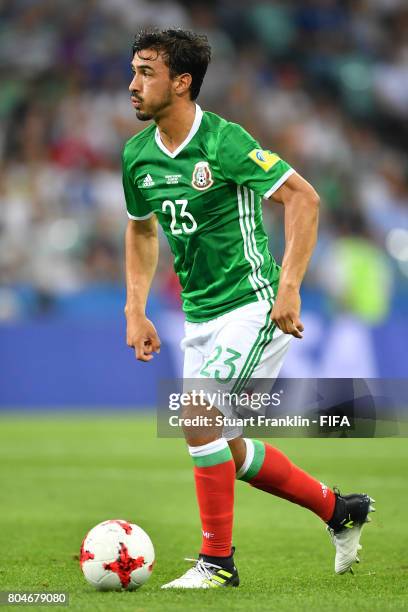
(141, 253)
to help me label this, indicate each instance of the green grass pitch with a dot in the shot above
(61, 475)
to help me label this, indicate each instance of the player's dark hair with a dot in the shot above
(182, 50)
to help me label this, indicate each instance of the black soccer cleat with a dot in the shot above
(206, 575)
(350, 515)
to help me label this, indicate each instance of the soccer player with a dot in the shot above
(203, 179)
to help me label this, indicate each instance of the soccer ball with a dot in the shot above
(116, 555)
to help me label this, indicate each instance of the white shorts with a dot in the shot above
(232, 349)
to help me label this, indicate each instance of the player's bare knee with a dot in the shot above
(238, 450)
(199, 423)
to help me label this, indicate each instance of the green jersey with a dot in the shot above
(207, 197)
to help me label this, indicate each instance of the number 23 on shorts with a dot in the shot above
(228, 361)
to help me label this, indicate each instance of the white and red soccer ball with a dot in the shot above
(117, 555)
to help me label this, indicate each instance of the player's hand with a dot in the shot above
(286, 311)
(141, 334)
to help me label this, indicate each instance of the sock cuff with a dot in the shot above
(210, 454)
(254, 459)
(249, 457)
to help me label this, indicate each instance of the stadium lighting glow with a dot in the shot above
(397, 244)
(63, 234)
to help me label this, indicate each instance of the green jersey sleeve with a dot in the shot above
(137, 207)
(244, 162)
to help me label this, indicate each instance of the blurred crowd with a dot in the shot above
(322, 82)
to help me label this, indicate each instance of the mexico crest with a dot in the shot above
(202, 178)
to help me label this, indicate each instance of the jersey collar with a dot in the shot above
(194, 129)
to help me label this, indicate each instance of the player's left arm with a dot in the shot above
(301, 204)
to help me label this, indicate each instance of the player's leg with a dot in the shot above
(214, 352)
(264, 466)
(267, 468)
(214, 475)
(221, 348)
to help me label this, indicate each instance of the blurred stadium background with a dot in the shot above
(322, 82)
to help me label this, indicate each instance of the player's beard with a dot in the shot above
(143, 115)
(155, 111)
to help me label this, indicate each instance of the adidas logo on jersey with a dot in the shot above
(147, 181)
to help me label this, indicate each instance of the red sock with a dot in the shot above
(268, 469)
(214, 473)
